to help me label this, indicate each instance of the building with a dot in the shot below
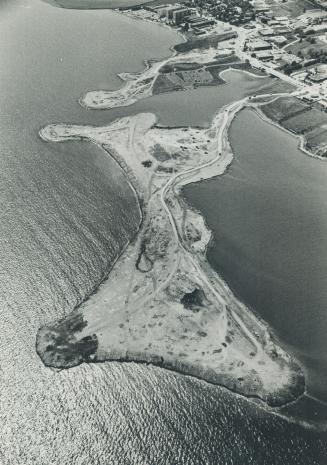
(261, 8)
(289, 58)
(283, 19)
(282, 30)
(203, 23)
(300, 75)
(170, 11)
(318, 77)
(310, 62)
(162, 10)
(198, 22)
(258, 44)
(320, 28)
(224, 53)
(180, 15)
(266, 32)
(264, 55)
(279, 40)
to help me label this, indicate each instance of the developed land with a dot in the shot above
(291, 8)
(184, 70)
(97, 4)
(308, 48)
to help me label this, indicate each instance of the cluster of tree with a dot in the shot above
(231, 11)
(320, 55)
(289, 68)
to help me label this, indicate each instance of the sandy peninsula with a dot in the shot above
(162, 303)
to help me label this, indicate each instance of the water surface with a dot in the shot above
(268, 214)
(59, 233)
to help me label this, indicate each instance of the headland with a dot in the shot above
(162, 303)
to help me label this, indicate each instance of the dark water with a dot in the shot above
(59, 231)
(269, 218)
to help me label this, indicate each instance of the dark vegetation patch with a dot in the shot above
(171, 67)
(202, 334)
(60, 345)
(159, 153)
(308, 48)
(143, 263)
(284, 107)
(73, 323)
(162, 84)
(147, 163)
(193, 300)
(306, 121)
(204, 42)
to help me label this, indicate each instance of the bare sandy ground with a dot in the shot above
(140, 85)
(162, 303)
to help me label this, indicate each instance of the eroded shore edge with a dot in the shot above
(302, 143)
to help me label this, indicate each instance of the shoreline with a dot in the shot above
(302, 141)
(140, 85)
(169, 363)
(254, 399)
(293, 390)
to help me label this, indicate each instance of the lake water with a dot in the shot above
(59, 232)
(269, 218)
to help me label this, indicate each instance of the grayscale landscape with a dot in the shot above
(164, 232)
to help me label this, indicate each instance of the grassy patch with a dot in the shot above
(305, 48)
(306, 121)
(284, 108)
(292, 8)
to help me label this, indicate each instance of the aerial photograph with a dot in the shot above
(163, 233)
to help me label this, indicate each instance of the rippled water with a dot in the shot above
(58, 237)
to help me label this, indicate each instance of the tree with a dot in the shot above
(186, 26)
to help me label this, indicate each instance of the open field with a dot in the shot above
(284, 108)
(301, 118)
(184, 75)
(291, 8)
(306, 47)
(317, 140)
(306, 121)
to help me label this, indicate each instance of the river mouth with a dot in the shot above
(268, 214)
